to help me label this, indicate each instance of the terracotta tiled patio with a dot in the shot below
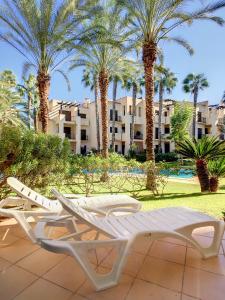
(166, 269)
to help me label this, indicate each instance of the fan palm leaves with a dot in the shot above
(193, 84)
(202, 151)
(165, 81)
(216, 171)
(39, 31)
(153, 22)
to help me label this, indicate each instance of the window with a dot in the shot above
(157, 113)
(156, 133)
(130, 110)
(165, 113)
(116, 148)
(139, 111)
(67, 115)
(67, 131)
(111, 115)
(199, 116)
(167, 130)
(83, 116)
(199, 133)
(116, 130)
(167, 147)
(123, 129)
(83, 134)
(206, 130)
(124, 110)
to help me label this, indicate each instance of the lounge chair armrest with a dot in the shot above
(121, 209)
(95, 210)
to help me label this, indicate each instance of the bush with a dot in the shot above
(167, 157)
(36, 159)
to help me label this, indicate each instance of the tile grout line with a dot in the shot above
(185, 260)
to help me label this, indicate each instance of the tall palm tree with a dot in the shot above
(193, 84)
(29, 90)
(153, 21)
(202, 151)
(165, 81)
(39, 31)
(134, 80)
(90, 79)
(104, 53)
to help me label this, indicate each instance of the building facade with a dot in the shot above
(77, 122)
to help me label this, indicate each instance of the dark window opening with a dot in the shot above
(199, 133)
(167, 130)
(167, 147)
(67, 131)
(156, 133)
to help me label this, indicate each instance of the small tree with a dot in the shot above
(202, 151)
(180, 121)
(216, 171)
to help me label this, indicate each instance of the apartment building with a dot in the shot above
(77, 122)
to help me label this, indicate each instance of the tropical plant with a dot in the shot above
(134, 80)
(165, 81)
(39, 30)
(29, 91)
(9, 100)
(152, 22)
(216, 170)
(202, 151)
(180, 121)
(104, 53)
(193, 84)
(90, 79)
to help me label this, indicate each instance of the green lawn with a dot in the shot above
(183, 194)
(175, 194)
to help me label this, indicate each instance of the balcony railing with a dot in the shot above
(202, 120)
(117, 119)
(70, 136)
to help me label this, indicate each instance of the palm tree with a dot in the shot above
(216, 171)
(9, 100)
(134, 80)
(90, 78)
(152, 22)
(193, 84)
(165, 80)
(104, 53)
(29, 90)
(39, 30)
(202, 151)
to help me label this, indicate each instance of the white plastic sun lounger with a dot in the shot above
(177, 222)
(100, 205)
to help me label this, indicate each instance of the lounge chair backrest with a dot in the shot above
(77, 211)
(29, 194)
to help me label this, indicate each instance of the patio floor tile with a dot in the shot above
(18, 250)
(13, 280)
(147, 291)
(168, 251)
(213, 264)
(77, 297)
(133, 264)
(164, 273)
(203, 285)
(142, 244)
(44, 290)
(118, 292)
(40, 261)
(4, 264)
(67, 274)
(185, 297)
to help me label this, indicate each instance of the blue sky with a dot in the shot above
(207, 39)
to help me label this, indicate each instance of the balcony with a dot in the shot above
(70, 136)
(202, 120)
(117, 119)
(84, 138)
(138, 136)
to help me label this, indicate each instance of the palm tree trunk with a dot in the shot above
(214, 184)
(97, 116)
(160, 115)
(149, 58)
(29, 109)
(195, 112)
(134, 97)
(35, 120)
(203, 174)
(103, 87)
(43, 82)
(115, 83)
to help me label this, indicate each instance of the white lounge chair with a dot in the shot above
(177, 222)
(99, 204)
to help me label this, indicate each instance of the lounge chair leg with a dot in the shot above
(22, 220)
(101, 281)
(213, 249)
